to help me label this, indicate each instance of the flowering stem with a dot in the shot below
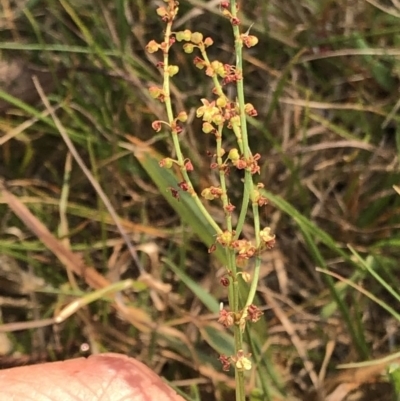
(238, 335)
(219, 115)
(256, 274)
(174, 133)
(248, 179)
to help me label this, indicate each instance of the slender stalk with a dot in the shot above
(219, 116)
(174, 134)
(248, 179)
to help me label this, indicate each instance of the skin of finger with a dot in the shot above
(105, 377)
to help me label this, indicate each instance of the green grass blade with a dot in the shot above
(205, 297)
(367, 266)
(311, 231)
(187, 210)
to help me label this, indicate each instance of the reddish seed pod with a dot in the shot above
(226, 362)
(230, 208)
(184, 186)
(212, 248)
(174, 193)
(189, 166)
(224, 281)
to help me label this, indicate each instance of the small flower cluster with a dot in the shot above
(241, 361)
(257, 197)
(167, 162)
(219, 112)
(168, 13)
(174, 125)
(243, 248)
(228, 319)
(224, 6)
(235, 159)
(239, 161)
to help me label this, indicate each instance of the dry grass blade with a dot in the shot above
(21, 128)
(66, 257)
(72, 261)
(144, 276)
(88, 174)
(297, 342)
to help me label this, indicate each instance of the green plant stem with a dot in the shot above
(243, 211)
(174, 134)
(240, 131)
(242, 137)
(256, 275)
(228, 218)
(237, 131)
(238, 335)
(240, 391)
(234, 288)
(248, 184)
(222, 179)
(233, 296)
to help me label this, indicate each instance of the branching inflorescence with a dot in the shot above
(220, 116)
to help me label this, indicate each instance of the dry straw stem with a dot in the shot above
(144, 276)
(69, 259)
